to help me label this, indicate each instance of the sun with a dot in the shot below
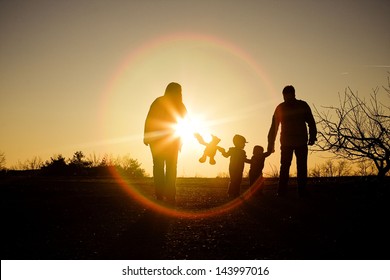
(187, 127)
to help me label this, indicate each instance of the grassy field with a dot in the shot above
(89, 218)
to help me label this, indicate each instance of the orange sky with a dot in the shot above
(80, 75)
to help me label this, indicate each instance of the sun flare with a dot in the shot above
(187, 127)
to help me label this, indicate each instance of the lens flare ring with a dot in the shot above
(186, 127)
(182, 213)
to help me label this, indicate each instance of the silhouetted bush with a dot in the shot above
(78, 165)
(56, 166)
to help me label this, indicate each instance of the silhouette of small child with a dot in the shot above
(257, 163)
(236, 166)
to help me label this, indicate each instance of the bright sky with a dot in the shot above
(81, 75)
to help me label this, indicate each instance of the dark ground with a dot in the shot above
(86, 218)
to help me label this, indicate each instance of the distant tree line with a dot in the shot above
(79, 164)
(342, 168)
(95, 165)
(334, 168)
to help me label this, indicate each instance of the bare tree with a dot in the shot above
(343, 168)
(2, 160)
(329, 169)
(357, 130)
(35, 163)
(316, 171)
(365, 168)
(95, 160)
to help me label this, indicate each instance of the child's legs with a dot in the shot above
(235, 184)
(253, 176)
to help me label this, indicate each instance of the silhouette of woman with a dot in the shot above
(159, 134)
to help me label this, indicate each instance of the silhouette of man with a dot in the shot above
(293, 115)
(159, 134)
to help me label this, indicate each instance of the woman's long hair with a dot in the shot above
(173, 91)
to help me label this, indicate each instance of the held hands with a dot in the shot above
(311, 142)
(271, 149)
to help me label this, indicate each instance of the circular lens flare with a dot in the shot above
(186, 127)
(178, 212)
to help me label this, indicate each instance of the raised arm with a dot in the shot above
(223, 152)
(267, 154)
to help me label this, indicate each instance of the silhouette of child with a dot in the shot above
(236, 166)
(257, 163)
